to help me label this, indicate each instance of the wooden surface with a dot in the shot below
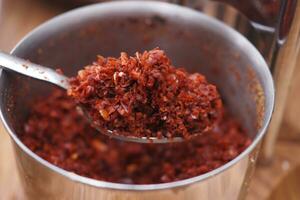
(267, 179)
(288, 188)
(17, 17)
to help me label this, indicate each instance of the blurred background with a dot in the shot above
(276, 179)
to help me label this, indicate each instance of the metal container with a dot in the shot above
(191, 39)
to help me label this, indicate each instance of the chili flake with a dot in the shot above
(56, 132)
(146, 96)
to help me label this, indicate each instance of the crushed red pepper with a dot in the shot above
(56, 132)
(145, 96)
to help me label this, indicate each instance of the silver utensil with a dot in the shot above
(46, 74)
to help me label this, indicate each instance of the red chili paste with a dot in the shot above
(146, 96)
(56, 132)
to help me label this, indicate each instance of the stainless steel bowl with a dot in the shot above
(191, 39)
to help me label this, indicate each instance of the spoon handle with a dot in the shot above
(32, 70)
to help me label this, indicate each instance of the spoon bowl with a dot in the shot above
(52, 76)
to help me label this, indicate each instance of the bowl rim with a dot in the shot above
(239, 40)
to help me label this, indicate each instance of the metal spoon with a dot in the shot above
(9, 62)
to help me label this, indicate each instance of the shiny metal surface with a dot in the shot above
(142, 140)
(32, 70)
(42, 183)
(190, 39)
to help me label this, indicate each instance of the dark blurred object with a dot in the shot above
(76, 3)
(262, 11)
(267, 12)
